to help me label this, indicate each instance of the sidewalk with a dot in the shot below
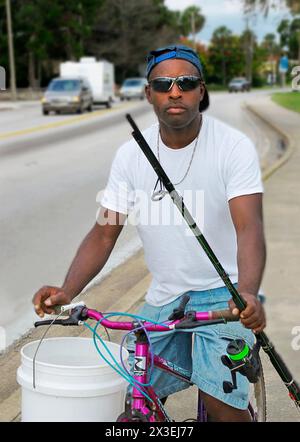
(281, 210)
(20, 104)
(281, 280)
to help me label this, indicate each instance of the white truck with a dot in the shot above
(100, 75)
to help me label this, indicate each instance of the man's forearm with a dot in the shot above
(251, 258)
(90, 258)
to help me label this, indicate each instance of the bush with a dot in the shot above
(216, 87)
(258, 81)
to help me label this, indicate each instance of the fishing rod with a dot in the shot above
(267, 346)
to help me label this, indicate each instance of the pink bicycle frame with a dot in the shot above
(142, 360)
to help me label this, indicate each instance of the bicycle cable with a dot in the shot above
(122, 370)
(150, 351)
(132, 331)
(39, 344)
(118, 370)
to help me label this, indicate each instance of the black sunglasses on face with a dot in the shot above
(184, 82)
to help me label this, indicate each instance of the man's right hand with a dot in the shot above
(47, 298)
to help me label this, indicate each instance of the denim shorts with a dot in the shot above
(200, 356)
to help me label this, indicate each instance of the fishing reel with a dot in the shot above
(242, 359)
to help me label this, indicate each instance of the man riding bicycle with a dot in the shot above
(217, 167)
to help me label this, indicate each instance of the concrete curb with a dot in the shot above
(10, 408)
(291, 145)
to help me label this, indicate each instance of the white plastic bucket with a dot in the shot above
(72, 382)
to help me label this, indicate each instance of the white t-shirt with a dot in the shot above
(225, 165)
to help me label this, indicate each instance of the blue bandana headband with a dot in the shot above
(168, 52)
(178, 51)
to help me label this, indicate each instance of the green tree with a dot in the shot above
(126, 31)
(269, 42)
(248, 41)
(47, 32)
(233, 56)
(284, 30)
(46, 29)
(32, 37)
(266, 5)
(289, 32)
(3, 37)
(225, 55)
(191, 21)
(263, 52)
(295, 39)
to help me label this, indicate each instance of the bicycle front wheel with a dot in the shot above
(258, 402)
(128, 417)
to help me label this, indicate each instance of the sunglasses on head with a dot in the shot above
(184, 82)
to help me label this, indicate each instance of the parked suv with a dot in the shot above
(67, 94)
(239, 84)
(133, 88)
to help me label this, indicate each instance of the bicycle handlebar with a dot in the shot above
(191, 319)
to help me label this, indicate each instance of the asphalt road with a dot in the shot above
(51, 170)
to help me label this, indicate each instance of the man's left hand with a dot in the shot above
(253, 316)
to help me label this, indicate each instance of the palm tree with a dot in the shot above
(191, 21)
(265, 5)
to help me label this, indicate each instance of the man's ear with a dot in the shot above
(148, 93)
(202, 91)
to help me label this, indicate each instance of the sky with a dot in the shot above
(230, 14)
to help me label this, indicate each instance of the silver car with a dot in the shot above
(239, 84)
(67, 95)
(133, 88)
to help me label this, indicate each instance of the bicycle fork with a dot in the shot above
(140, 406)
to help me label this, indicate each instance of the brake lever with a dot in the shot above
(178, 313)
(76, 317)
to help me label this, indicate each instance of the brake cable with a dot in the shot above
(39, 344)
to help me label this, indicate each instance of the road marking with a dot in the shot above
(56, 124)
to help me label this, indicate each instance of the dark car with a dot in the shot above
(67, 95)
(239, 84)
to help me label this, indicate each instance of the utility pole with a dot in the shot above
(80, 20)
(249, 49)
(193, 27)
(298, 38)
(11, 53)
